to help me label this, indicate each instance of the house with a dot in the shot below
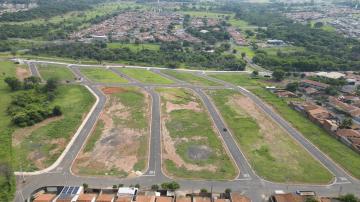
(311, 91)
(275, 42)
(201, 199)
(237, 197)
(331, 75)
(351, 110)
(127, 191)
(164, 199)
(287, 198)
(330, 125)
(142, 198)
(69, 194)
(86, 198)
(314, 84)
(319, 114)
(45, 198)
(285, 94)
(106, 198)
(183, 199)
(221, 200)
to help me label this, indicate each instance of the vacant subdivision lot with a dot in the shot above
(119, 144)
(190, 78)
(22, 72)
(102, 75)
(145, 76)
(272, 153)
(341, 154)
(55, 71)
(191, 147)
(38, 146)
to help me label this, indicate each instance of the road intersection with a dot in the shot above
(248, 182)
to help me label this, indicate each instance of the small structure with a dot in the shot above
(314, 84)
(45, 198)
(285, 94)
(69, 194)
(287, 198)
(331, 75)
(275, 42)
(141, 198)
(106, 198)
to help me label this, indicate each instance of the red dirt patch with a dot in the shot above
(112, 90)
(22, 73)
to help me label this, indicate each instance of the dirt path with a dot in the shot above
(22, 73)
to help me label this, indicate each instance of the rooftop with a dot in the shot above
(237, 197)
(45, 198)
(86, 197)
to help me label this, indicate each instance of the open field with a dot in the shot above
(336, 150)
(134, 47)
(244, 49)
(119, 144)
(55, 71)
(145, 76)
(190, 78)
(191, 147)
(102, 75)
(38, 146)
(256, 135)
(7, 180)
(284, 49)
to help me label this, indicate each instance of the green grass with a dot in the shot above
(186, 123)
(134, 47)
(284, 49)
(95, 136)
(102, 75)
(75, 101)
(7, 179)
(238, 79)
(57, 71)
(190, 78)
(244, 49)
(145, 76)
(293, 165)
(341, 154)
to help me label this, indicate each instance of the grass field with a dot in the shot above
(56, 71)
(190, 78)
(7, 180)
(187, 131)
(284, 49)
(41, 147)
(134, 47)
(341, 154)
(119, 144)
(102, 75)
(145, 76)
(256, 135)
(244, 49)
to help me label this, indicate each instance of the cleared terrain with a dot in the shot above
(191, 146)
(102, 75)
(273, 154)
(119, 144)
(55, 71)
(145, 76)
(190, 78)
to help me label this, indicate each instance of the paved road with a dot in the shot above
(248, 182)
(33, 69)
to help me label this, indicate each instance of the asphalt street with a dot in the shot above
(247, 182)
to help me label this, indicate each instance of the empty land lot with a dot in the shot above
(190, 78)
(145, 76)
(55, 71)
(38, 146)
(272, 153)
(119, 144)
(336, 150)
(102, 75)
(191, 147)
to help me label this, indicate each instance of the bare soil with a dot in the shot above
(22, 73)
(118, 145)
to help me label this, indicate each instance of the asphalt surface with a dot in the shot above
(247, 182)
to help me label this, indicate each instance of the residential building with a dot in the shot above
(87, 198)
(314, 84)
(237, 197)
(106, 198)
(45, 198)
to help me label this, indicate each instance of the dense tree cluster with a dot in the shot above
(33, 103)
(323, 50)
(47, 9)
(170, 55)
(213, 34)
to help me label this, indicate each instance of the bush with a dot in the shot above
(57, 111)
(13, 83)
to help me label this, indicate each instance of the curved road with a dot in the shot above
(247, 182)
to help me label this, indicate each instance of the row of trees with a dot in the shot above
(32, 104)
(169, 55)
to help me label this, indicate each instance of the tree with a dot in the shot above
(292, 86)
(51, 85)
(203, 190)
(255, 73)
(228, 190)
(85, 186)
(243, 54)
(154, 187)
(137, 186)
(278, 75)
(318, 25)
(13, 83)
(57, 111)
(331, 90)
(311, 199)
(346, 123)
(348, 198)
(170, 185)
(31, 82)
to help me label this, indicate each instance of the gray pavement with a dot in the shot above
(247, 182)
